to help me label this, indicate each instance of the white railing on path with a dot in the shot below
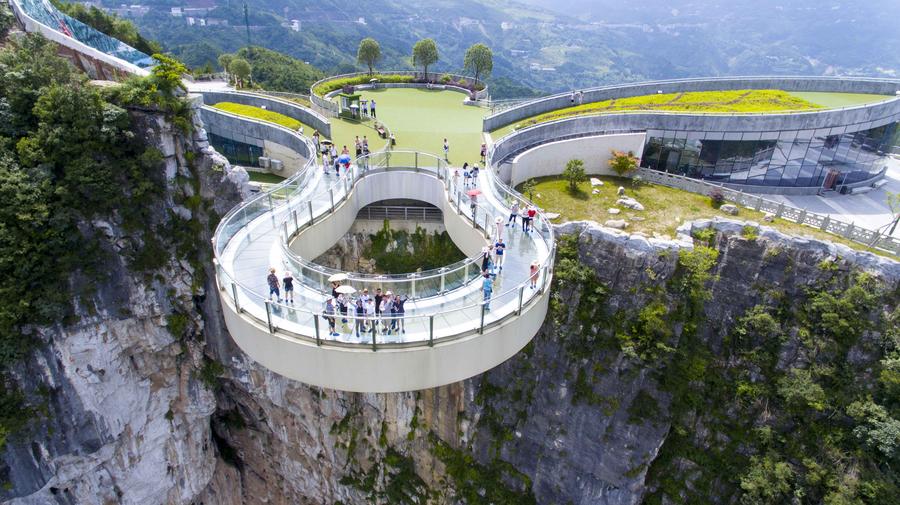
(781, 210)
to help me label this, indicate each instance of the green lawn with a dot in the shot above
(264, 177)
(421, 118)
(264, 115)
(665, 208)
(757, 101)
(836, 100)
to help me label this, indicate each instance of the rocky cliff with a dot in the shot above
(123, 414)
(630, 383)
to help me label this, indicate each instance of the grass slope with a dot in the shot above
(744, 100)
(665, 208)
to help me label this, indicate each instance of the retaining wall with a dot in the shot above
(272, 138)
(288, 108)
(550, 159)
(599, 94)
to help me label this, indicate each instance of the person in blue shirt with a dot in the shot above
(487, 285)
(499, 249)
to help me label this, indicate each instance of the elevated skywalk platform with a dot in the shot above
(449, 331)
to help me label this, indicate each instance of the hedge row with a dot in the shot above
(336, 84)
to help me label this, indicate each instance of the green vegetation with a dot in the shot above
(330, 85)
(623, 163)
(574, 174)
(480, 60)
(241, 70)
(835, 100)
(7, 19)
(369, 53)
(109, 24)
(664, 208)
(210, 372)
(69, 158)
(272, 70)
(398, 251)
(263, 115)
(425, 54)
(745, 100)
(264, 177)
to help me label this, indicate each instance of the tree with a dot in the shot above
(623, 163)
(574, 173)
(479, 59)
(241, 70)
(425, 53)
(893, 201)
(225, 61)
(528, 188)
(368, 53)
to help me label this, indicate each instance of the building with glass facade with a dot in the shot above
(828, 158)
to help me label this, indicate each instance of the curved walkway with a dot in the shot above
(448, 332)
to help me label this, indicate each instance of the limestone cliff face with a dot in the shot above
(124, 417)
(564, 421)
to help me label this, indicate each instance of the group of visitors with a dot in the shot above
(275, 285)
(378, 313)
(470, 176)
(527, 217)
(331, 157)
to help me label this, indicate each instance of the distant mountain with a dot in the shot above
(559, 45)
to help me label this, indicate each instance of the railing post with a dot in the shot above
(802, 217)
(269, 316)
(311, 220)
(825, 223)
(483, 310)
(271, 205)
(458, 208)
(316, 324)
(412, 289)
(296, 222)
(234, 294)
(417, 161)
(759, 201)
(779, 210)
(431, 330)
(521, 296)
(443, 280)
(374, 346)
(284, 230)
(331, 197)
(849, 232)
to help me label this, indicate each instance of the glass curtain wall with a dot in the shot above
(236, 152)
(798, 158)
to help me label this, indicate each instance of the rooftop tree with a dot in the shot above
(479, 59)
(369, 53)
(425, 53)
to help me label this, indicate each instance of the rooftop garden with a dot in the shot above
(742, 101)
(328, 86)
(665, 208)
(263, 115)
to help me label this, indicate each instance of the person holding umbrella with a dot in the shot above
(344, 291)
(473, 201)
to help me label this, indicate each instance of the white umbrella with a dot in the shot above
(338, 278)
(346, 289)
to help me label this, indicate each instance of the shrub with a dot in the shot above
(623, 163)
(528, 188)
(335, 84)
(716, 198)
(750, 232)
(447, 79)
(574, 174)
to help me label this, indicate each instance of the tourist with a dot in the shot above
(499, 249)
(513, 214)
(288, 282)
(532, 211)
(393, 140)
(378, 299)
(329, 316)
(272, 279)
(315, 138)
(487, 286)
(473, 203)
(486, 259)
(399, 311)
(372, 107)
(474, 175)
(387, 309)
(334, 286)
(370, 315)
(360, 317)
(455, 178)
(533, 271)
(358, 147)
(466, 174)
(498, 224)
(342, 307)
(446, 150)
(483, 152)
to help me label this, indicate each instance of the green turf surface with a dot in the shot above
(421, 118)
(835, 100)
(264, 177)
(755, 101)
